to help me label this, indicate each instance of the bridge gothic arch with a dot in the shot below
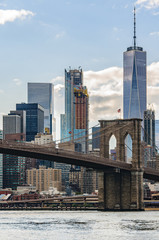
(119, 189)
(112, 146)
(128, 148)
(120, 129)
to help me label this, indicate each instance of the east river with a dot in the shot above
(51, 225)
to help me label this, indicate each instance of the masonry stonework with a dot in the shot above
(119, 189)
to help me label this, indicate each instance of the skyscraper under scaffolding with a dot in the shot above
(74, 123)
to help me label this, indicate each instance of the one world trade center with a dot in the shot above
(134, 84)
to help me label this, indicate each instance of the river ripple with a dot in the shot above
(51, 225)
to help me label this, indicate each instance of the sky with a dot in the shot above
(41, 38)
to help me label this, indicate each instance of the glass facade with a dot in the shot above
(34, 119)
(13, 166)
(149, 127)
(134, 86)
(11, 124)
(65, 170)
(64, 134)
(22, 115)
(95, 138)
(73, 89)
(74, 123)
(43, 94)
(13, 171)
(73, 78)
(157, 133)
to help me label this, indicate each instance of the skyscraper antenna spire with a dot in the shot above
(134, 28)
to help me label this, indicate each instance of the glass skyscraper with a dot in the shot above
(149, 127)
(157, 134)
(134, 85)
(73, 78)
(13, 171)
(34, 119)
(74, 123)
(43, 93)
(13, 166)
(95, 138)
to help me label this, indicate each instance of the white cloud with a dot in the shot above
(148, 3)
(58, 80)
(59, 87)
(12, 15)
(156, 13)
(60, 35)
(154, 33)
(105, 90)
(105, 82)
(105, 93)
(17, 81)
(153, 74)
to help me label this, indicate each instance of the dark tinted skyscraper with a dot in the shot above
(34, 119)
(13, 166)
(95, 138)
(134, 86)
(157, 134)
(149, 127)
(43, 93)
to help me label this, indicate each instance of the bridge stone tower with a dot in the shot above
(121, 189)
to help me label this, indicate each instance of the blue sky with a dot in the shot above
(40, 38)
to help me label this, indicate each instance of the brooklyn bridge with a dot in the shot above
(120, 182)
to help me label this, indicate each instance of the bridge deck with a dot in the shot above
(70, 157)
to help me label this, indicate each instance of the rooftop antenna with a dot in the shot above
(134, 28)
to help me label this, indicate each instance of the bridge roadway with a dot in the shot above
(49, 152)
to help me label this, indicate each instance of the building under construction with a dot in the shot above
(74, 123)
(81, 108)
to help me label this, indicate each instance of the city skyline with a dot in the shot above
(40, 41)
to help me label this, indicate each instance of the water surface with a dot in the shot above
(74, 225)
